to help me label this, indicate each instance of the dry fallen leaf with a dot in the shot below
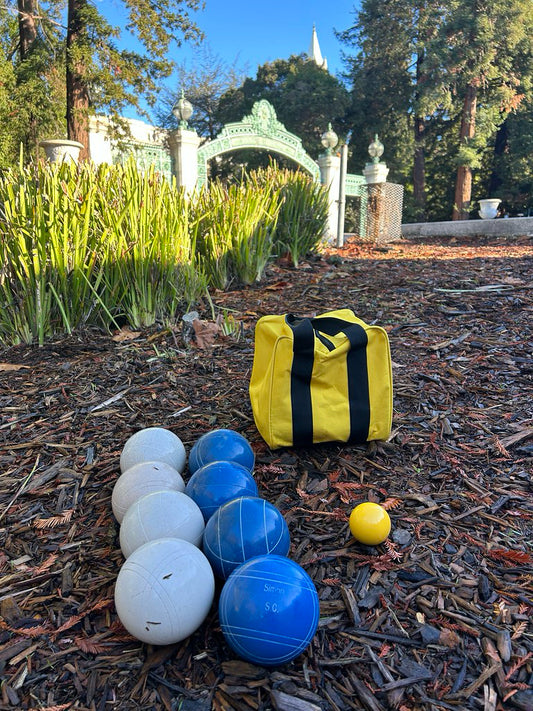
(11, 366)
(205, 333)
(449, 638)
(125, 335)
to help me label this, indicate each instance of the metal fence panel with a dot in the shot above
(384, 213)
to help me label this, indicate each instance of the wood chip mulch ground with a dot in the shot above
(438, 617)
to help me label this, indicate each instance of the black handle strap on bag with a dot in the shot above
(304, 332)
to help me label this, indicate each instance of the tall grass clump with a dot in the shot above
(303, 214)
(149, 260)
(84, 245)
(49, 251)
(235, 228)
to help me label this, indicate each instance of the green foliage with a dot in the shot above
(419, 60)
(306, 98)
(468, 154)
(204, 81)
(48, 250)
(235, 231)
(269, 213)
(8, 137)
(381, 83)
(303, 215)
(82, 246)
(148, 254)
(32, 87)
(37, 92)
(116, 77)
(512, 180)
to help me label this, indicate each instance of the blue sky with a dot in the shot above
(251, 33)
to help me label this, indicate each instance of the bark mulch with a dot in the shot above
(438, 617)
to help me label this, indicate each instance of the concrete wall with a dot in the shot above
(101, 147)
(498, 227)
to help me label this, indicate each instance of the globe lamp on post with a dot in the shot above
(376, 171)
(183, 111)
(375, 149)
(329, 140)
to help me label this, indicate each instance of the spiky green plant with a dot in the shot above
(303, 214)
(149, 260)
(235, 231)
(84, 245)
(81, 245)
(48, 250)
(213, 217)
(251, 245)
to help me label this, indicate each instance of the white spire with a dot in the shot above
(314, 52)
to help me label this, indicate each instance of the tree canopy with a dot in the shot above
(446, 85)
(203, 81)
(65, 73)
(438, 80)
(32, 86)
(100, 75)
(305, 97)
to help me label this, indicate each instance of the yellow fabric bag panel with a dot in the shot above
(318, 380)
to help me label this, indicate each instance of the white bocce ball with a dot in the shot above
(153, 443)
(142, 479)
(164, 591)
(162, 514)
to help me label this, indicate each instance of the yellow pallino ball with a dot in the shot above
(370, 523)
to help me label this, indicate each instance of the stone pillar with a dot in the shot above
(375, 173)
(183, 146)
(100, 144)
(376, 177)
(330, 169)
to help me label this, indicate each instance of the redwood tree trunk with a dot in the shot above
(27, 36)
(77, 90)
(27, 26)
(463, 183)
(419, 171)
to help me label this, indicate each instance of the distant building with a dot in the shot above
(148, 144)
(314, 52)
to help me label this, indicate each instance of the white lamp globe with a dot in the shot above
(153, 443)
(164, 591)
(162, 514)
(142, 479)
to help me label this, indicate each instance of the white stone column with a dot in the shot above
(183, 146)
(376, 177)
(330, 169)
(100, 144)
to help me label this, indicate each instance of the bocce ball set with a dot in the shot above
(177, 537)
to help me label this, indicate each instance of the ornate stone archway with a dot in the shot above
(262, 130)
(259, 130)
(178, 153)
